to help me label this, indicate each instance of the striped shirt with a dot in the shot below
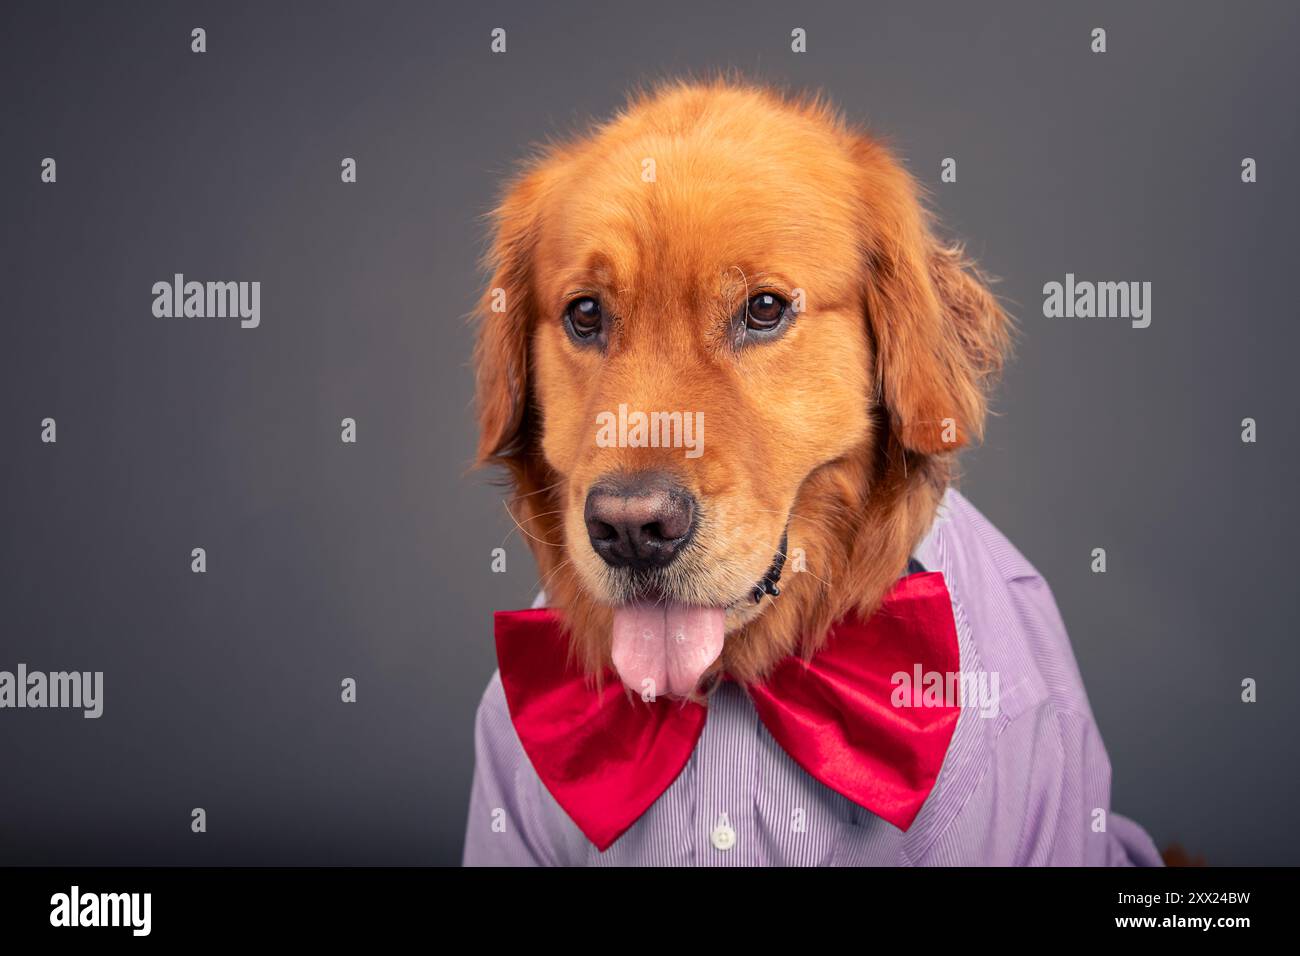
(1026, 782)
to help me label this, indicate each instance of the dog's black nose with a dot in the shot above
(639, 521)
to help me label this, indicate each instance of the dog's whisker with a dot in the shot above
(794, 515)
(544, 514)
(549, 544)
(550, 575)
(537, 492)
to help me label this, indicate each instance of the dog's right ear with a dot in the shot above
(506, 313)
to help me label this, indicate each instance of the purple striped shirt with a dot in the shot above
(1025, 782)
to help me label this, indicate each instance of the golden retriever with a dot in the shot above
(744, 260)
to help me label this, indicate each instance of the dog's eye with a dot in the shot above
(583, 318)
(765, 312)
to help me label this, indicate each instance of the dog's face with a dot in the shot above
(681, 296)
(707, 304)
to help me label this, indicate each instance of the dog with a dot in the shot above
(727, 363)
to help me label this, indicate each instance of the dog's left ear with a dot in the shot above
(940, 334)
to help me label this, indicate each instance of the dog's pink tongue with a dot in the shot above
(669, 645)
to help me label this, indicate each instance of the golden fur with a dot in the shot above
(837, 428)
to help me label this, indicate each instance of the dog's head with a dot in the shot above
(719, 334)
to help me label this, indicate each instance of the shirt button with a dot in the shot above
(724, 838)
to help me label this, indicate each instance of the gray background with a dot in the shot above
(372, 561)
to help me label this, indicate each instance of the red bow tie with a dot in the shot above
(607, 756)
